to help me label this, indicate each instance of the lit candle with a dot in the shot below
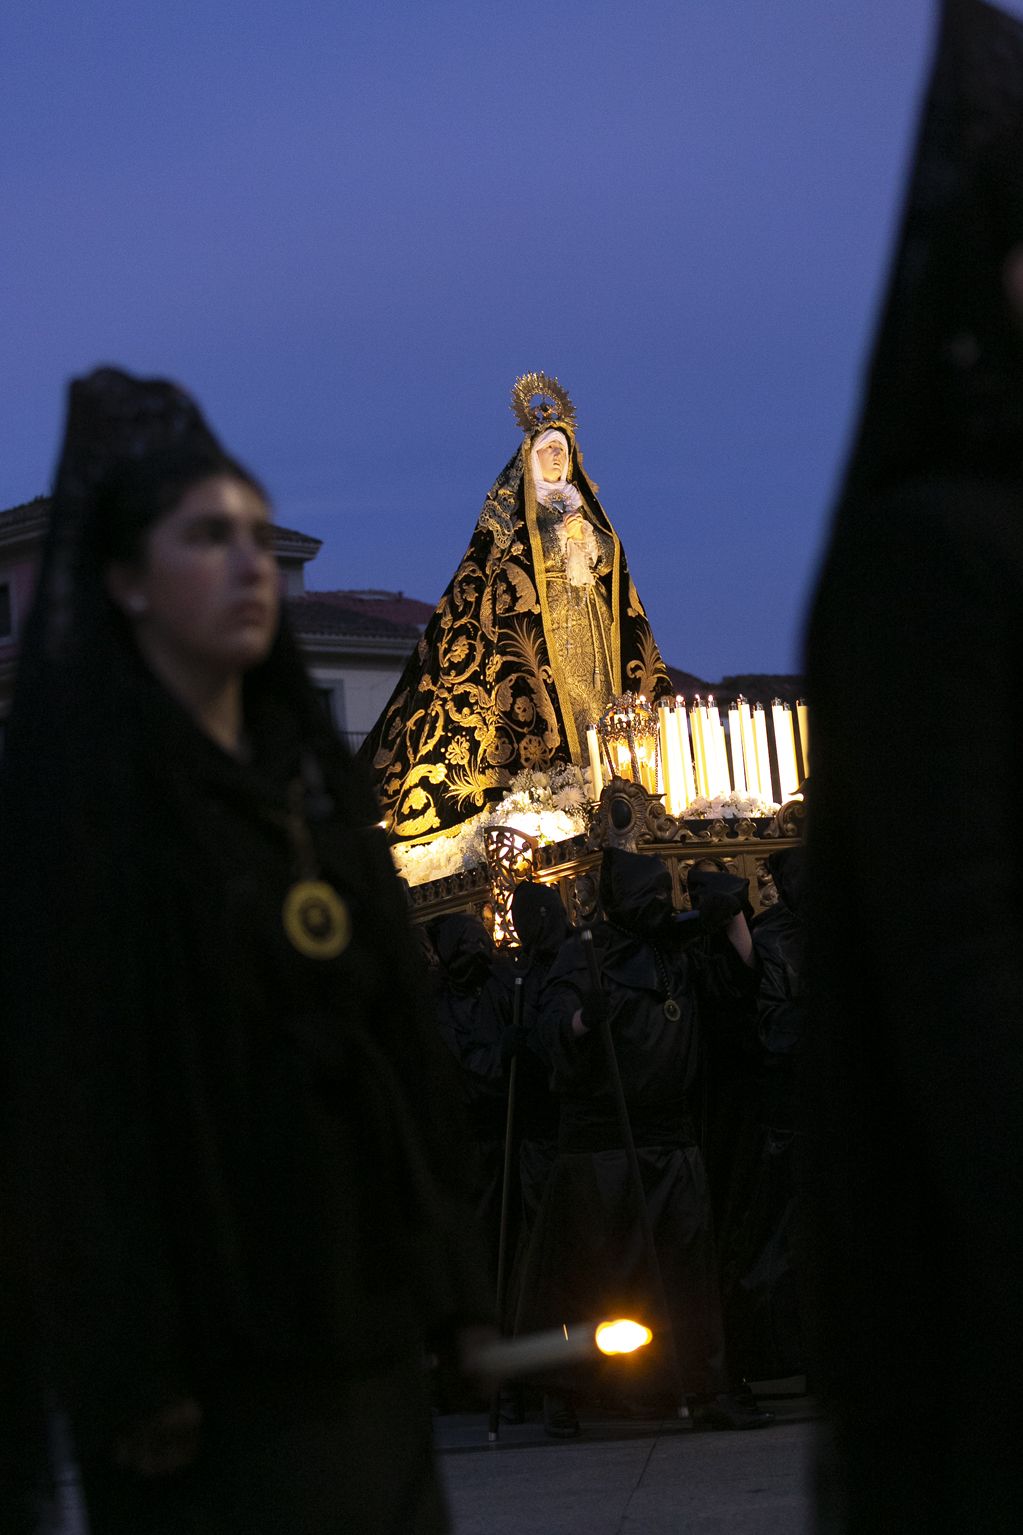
(735, 744)
(699, 747)
(646, 766)
(666, 733)
(596, 772)
(763, 755)
(653, 764)
(749, 749)
(716, 734)
(710, 747)
(803, 715)
(785, 749)
(685, 752)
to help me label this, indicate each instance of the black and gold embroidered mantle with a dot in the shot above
(514, 662)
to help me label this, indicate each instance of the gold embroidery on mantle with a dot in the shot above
(487, 691)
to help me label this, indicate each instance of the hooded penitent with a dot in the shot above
(912, 1058)
(540, 920)
(587, 1250)
(635, 891)
(465, 951)
(540, 626)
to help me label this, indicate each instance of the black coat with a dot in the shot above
(761, 1238)
(474, 1014)
(221, 1152)
(587, 1254)
(779, 940)
(914, 1056)
(658, 1055)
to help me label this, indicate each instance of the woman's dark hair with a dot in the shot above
(138, 492)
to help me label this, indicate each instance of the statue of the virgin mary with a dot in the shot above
(539, 629)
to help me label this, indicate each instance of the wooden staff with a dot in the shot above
(494, 1428)
(625, 1125)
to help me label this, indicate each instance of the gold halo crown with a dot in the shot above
(539, 402)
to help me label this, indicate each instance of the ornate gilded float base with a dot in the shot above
(629, 817)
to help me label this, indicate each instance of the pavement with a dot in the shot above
(626, 1478)
(619, 1477)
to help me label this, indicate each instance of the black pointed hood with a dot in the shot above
(946, 378)
(635, 891)
(540, 919)
(465, 950)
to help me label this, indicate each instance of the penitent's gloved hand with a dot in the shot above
(718, 897)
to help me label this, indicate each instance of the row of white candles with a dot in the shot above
(694, 757)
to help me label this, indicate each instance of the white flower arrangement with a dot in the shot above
(551, 806)
(727, 807)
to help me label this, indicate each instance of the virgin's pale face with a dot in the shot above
(206, 595)
(553, 460)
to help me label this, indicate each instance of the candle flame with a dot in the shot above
(621, 1336)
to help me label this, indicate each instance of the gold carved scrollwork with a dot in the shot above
(791, 818)
(628, 815)
(510, 855)
(574, 867)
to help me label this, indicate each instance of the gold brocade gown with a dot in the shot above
(578, 623)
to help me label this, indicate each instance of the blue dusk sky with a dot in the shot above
(347, 226)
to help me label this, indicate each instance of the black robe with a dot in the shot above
(761, 1234)
(915, 925)
(474, 1014)
(542, 925)
(232, 1175)
(587, 1257)
(223, 1158)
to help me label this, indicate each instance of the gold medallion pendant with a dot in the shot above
(672, 1011)
(316, 919)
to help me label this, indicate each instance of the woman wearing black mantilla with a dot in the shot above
(234, 1198)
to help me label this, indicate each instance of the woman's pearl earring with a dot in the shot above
(137, 604)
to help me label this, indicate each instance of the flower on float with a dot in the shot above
(727, 807)
(548, 805)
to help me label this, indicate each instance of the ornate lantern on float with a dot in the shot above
(624, 744)
(510, 860)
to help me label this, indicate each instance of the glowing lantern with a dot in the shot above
(510, 858)
(628, 734)
(622, 1336)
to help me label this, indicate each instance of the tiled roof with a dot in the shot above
(301, 540)
(27, 512)
(320, 613)
(393, 607)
